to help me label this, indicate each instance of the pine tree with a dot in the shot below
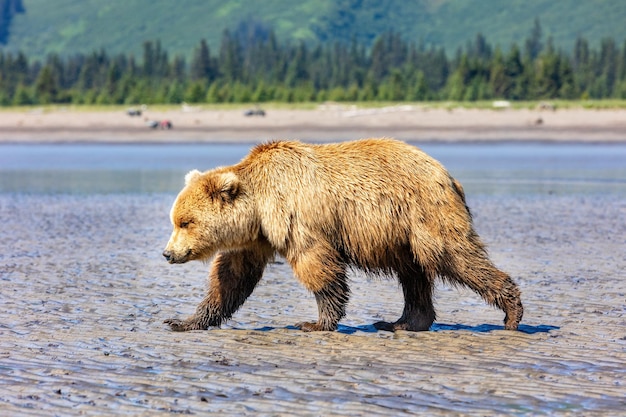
(149, 59)
(621, 72)
(500, 82)
(297, 70)
(515, 70)
(46, 86)
(178, 69)
(534, 44)
(22, 96)
(608, 65)
(582, 66)
(419, 88)
(196, 92)
(202, 65)
(230, 58)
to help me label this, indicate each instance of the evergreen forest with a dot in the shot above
(252, 66)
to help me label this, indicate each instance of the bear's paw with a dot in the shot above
(178, 325)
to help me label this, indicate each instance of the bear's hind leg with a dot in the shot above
(233, 277)
(471, 267)
(419, 312)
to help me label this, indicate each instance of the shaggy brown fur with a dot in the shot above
(377, 204)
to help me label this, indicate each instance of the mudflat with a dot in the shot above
(85, 291)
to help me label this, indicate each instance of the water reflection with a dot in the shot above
(500, 168)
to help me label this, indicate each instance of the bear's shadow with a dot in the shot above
(437, 327)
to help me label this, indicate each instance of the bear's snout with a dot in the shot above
(173, 259)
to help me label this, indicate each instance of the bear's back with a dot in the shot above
(355, 160)
(364, 195)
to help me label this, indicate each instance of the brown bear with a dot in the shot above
(376, 204)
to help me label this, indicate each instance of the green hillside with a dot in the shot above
(70, 26)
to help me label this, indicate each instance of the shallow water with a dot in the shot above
(510, 168)
(84, 292)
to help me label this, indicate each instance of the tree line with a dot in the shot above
(252, 66)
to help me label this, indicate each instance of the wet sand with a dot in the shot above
(85, 292)
(326, 123)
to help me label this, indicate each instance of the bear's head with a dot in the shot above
(213, 212)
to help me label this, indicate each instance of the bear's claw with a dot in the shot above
(401, 325)
(178, 325)
(384, 326)
(175, 324)
(311, 326)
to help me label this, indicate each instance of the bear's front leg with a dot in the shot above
(233, 277)
(326, 277)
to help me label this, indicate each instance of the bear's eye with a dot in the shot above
(184, 225)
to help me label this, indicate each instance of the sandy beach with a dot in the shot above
(326, 123)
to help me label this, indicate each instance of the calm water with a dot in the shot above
(502, 168)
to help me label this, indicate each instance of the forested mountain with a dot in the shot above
(67, 27)
(161, 51)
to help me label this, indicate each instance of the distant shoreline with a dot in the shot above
(326, 123)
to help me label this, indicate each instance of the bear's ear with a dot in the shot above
(192, 175)
(229, 186)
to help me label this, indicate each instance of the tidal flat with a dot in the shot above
(84, 292)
